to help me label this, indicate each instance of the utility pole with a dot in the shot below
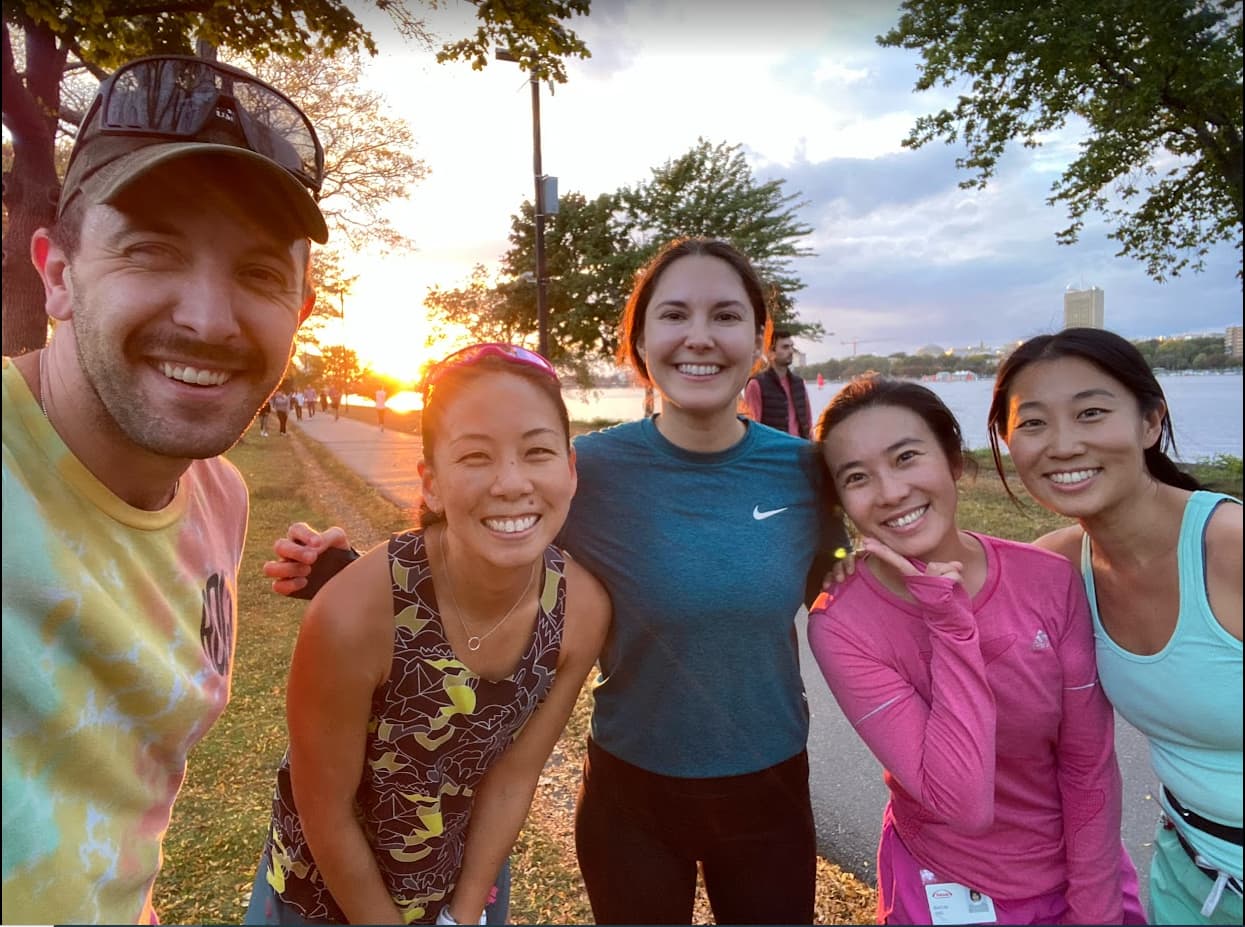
(542, 302)
(542, 297)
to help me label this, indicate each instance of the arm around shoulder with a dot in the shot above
(1088, 775)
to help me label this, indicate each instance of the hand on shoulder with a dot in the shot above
(297, 553)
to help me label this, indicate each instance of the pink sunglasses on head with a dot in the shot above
(473, 354)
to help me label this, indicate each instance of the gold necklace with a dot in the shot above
(42, 391)
(475, 640)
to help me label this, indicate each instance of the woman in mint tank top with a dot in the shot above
(1089, 433)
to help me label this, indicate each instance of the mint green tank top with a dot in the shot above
(1186, 698)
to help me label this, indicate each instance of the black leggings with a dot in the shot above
(639, 836)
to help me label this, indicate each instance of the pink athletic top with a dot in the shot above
(997, 741)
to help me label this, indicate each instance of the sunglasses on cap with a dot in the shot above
(181, 98)
(473, 354)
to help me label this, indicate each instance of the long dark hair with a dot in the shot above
(650, 273)
(872, 389)
(1119, 359)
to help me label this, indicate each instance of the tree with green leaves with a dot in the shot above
(593, 249)
(710, 190)
(481, 309)
(1155, 83)
(45, 43)
(1206, 352)
(590, 262)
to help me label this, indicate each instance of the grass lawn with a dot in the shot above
(220, 817)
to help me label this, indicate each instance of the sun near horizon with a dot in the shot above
(383, 317)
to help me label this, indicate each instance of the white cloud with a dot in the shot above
(832, 71)
(903, 253)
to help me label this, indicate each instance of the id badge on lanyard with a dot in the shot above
(953, 903)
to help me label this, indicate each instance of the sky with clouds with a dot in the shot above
(903, 256)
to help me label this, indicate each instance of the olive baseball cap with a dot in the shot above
(109, 160)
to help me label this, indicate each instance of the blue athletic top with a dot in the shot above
(705, 558)
(1186, 698)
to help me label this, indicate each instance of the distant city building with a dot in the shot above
(931, 350)
(1084, 308)
(1232, 341)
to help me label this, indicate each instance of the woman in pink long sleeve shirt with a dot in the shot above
(966, 663)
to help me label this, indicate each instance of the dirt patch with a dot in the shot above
(324, 492)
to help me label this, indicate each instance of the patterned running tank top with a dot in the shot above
(435, 729)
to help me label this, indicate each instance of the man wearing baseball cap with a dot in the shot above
(176, 274)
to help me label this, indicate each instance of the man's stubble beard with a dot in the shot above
(121, 408)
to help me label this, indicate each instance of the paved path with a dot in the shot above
(388, 459)
(848, 793)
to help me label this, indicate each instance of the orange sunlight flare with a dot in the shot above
(384, 323)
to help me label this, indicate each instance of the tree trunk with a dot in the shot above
(25, 322)
(31, 187)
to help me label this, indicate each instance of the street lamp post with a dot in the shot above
(542, 302)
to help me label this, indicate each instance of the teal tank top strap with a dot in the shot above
(1087, 576)
(1191, 554)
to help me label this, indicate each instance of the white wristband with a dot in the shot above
(445, 917)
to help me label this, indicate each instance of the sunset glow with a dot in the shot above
(383, 324)
(827, 111)
(384, 320)
(816, 103)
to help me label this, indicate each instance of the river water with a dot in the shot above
(1206, 410)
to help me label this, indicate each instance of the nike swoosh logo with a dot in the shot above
(761, 516)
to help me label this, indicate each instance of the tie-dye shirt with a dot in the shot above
(436, 728)
(118, 648)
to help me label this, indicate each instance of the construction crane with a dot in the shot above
(855, 341)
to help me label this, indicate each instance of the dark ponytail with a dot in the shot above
(1166, 470)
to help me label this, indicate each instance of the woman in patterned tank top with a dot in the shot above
(433, 676)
